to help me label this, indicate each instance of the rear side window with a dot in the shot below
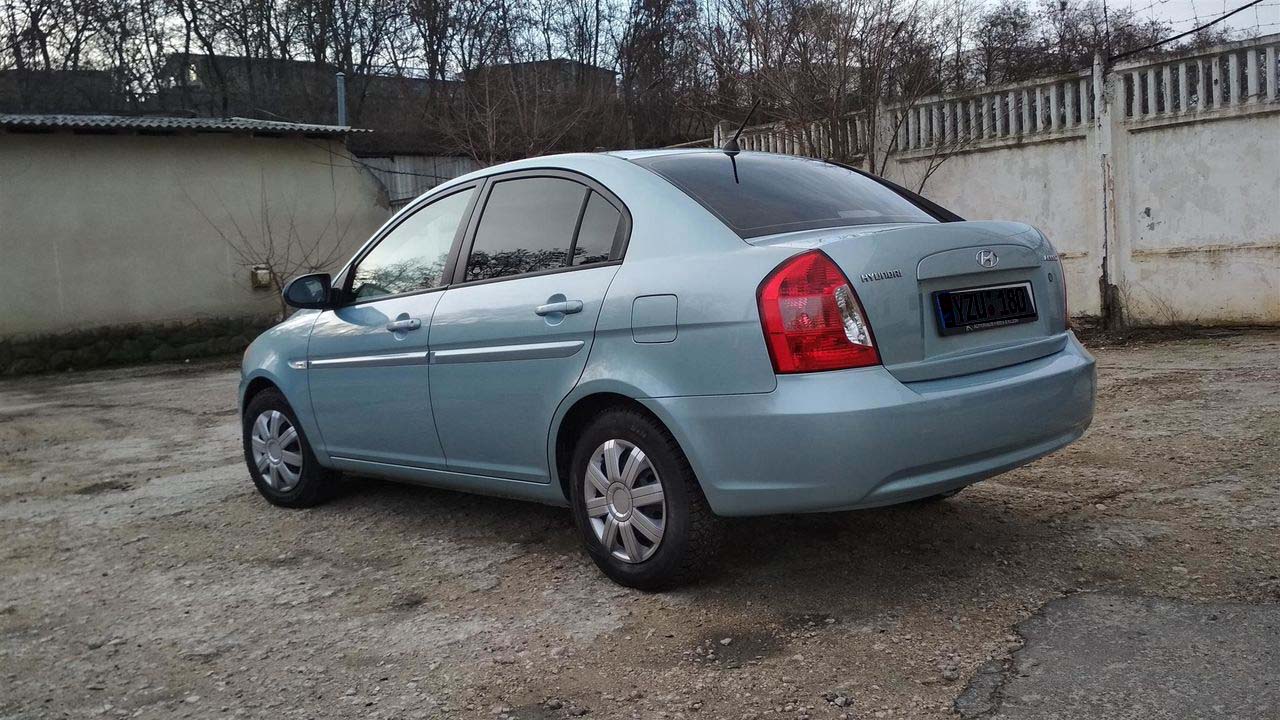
(600, 224)
(527, 226)
(761, 194)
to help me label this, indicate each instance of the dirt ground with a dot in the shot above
(144, 577)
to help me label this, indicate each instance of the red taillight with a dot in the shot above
(812, 318)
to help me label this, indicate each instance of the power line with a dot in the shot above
(1192, 31)
(1136, 18)
(1196, 19)
(1144, 8)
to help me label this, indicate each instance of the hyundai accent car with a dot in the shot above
(659, 339)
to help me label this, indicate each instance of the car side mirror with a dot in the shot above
(310, 291)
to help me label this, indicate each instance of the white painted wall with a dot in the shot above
(99, 230)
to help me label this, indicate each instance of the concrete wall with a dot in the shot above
(1200, 220)
(112, 229)
(1158, 181)
(1050, 185)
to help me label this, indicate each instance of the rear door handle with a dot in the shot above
(404, 325)
(566, 307)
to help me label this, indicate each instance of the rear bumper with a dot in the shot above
(861, 438)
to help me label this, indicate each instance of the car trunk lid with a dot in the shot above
(897, 269)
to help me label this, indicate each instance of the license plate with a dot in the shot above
(983, 308)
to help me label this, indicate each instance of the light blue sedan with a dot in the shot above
(661, 338)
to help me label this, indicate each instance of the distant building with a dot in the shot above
(394, 107)
(559, 76)
(228, 85)
(301, 84)
(42, 91)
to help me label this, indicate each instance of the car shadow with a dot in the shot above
(881, 553)
(795, 563)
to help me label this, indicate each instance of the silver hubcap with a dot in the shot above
(625, 503)
(277, 450)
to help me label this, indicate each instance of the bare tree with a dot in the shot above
(273, 246)
(681, 65)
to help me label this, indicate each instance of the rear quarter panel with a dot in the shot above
(678, 248)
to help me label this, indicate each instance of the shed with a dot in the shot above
(147, 229)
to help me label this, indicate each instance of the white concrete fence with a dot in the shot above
(1158, 180)
(1041, 109)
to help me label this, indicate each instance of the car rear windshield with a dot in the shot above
(761, 194)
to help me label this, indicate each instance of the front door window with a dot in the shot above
(413, 255)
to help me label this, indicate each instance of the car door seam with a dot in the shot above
(431, 401)
(306, 376)
(552, 471)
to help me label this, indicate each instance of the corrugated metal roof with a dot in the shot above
(126, 123)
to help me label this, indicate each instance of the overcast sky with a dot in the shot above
(1262, 19)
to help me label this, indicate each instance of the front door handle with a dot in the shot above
(565, 307)
(404, 325)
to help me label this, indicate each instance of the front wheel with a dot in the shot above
(279, 457)
(636, 502)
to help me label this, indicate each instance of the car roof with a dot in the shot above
(577, 162)
(657, 152)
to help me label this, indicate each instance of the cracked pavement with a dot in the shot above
(1119, 657)
(144, 577)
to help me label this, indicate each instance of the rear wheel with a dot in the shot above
(636, 502)
(279, 457)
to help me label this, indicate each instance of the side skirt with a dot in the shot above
(540, 492)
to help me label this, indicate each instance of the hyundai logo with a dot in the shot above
(988, 258)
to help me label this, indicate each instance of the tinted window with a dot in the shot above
(527, 226)
(412, 256)
(768, 194)
(596, 234)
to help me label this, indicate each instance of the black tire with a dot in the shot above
(691, 532)
(315, 484)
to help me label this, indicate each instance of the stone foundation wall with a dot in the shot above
(130, 344)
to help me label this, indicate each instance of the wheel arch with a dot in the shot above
(293, 386)
(255, 386)
(574, 413)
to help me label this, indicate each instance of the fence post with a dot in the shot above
(1108, 87)
(723, 131)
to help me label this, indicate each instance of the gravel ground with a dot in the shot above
(144, 576)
